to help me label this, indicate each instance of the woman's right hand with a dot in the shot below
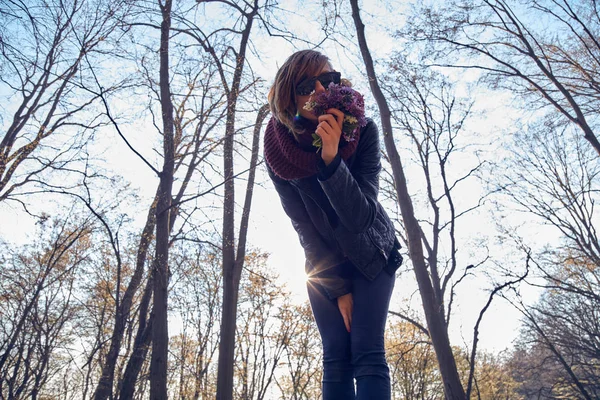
(330, 132)
(345, 304)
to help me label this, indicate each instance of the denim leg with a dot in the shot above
(338, 380)
(371, 304)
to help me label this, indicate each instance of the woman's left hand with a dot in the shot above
(330, 131)
(346, 305)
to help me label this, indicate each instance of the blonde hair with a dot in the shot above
(282, 95)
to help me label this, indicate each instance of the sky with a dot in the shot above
(270, 229)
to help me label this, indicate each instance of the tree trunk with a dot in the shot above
(160, 334)
(140, 346)
(105, 385)
(232, 267)
(230, 283)
(433, 309)
(228, 323)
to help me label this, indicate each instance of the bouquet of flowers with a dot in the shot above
(345, 99)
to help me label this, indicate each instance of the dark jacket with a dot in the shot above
(338, 218)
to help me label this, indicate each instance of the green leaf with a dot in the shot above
(317, 141)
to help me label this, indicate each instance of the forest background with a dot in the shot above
(144, 252)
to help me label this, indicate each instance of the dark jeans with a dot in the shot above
(359, 354)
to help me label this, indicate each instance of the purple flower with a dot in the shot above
(345, 99)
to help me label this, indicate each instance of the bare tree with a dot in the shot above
(507, 41)
(232, 272)
(196, 298)
(570, 354)
(232, 262)
(196, 114)
(415, 375)
(553, 176)
(302, 354)
(261, 337)
(38, 305)
(413, 369)
(44, 52)
(230, 66)
(140, 348)
(160, 273)
(426, 110)
(429, 284)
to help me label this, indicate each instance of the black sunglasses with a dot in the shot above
(307, 86)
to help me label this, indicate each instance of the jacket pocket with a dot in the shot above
(377, 245)
(382, 234)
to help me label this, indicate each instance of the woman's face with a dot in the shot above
(301, 100)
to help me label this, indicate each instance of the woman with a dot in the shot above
(351, 250)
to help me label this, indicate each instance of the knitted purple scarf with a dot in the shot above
(292, 160)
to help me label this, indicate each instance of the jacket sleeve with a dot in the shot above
(354, 197)
(326, 268)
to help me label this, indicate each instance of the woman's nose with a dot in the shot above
(319, 87)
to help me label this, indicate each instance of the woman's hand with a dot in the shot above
(330, 131)
(345, 304)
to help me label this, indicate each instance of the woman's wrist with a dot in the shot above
(328, 155)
